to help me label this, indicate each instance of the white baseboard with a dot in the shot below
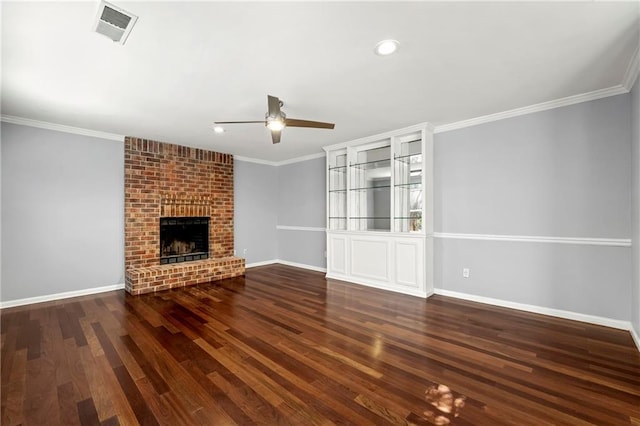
(96, 290)
(59, 296)
(592, 319)
(635, 336)
(302, 265)
(285, 262)
(262, 263)
(379, 285)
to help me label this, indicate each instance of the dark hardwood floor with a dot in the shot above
(285, 346)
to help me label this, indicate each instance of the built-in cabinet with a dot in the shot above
(380, 211)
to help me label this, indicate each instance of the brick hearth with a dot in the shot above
(164, 180)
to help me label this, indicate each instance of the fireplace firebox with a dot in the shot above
(183, 239)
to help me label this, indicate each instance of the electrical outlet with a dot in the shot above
(465, 272)
(244, 253)
(325, 253)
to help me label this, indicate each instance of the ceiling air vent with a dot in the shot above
(114, 22)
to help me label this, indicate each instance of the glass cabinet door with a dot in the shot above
(408, 186)
(338, 190)
(370, 190)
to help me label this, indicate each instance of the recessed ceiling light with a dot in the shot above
(386, 47)
(218, 129)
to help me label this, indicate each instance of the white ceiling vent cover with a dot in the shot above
(114, 22)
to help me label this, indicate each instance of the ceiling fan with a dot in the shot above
(276, 120)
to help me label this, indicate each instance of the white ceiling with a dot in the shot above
(186, 65)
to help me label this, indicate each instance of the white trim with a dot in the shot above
(280, 163)
(60, 128)
(262, 263)
(543, 106)
(635, 336)
(302, 265)
(613, 242)
(379, 285)
(575, 316)
(285, 262)
(300, 228)
(59, 296)
(301, 159)
(255, 160)
(632, 70)
(379, 137)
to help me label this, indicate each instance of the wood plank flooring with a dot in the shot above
(285, 346)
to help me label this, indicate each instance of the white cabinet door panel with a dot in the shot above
(337, 254)
(370, 259)
(408, 263)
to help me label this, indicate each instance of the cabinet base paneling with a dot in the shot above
(386, 261)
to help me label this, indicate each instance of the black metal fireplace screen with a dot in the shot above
(183, 239)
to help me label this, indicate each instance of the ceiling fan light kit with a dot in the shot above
(276, 120)
(275, 125)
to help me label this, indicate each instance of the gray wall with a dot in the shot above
(303, 247)
(565, 172)
(291, 195)
(635, 191)
(301, 202)
(62, 212)
(301, 193)
(1, 212)
(255, 211)
(560, 173)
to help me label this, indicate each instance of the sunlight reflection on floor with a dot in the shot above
(447, 405)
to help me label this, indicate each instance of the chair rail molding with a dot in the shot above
(612, 242)
(301, 228)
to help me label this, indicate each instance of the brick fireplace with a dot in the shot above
(166, 181)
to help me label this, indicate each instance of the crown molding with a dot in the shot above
(254, 160)
(301, 159)
(280, 163)
(112, 136)
(381, 136)
(60, 128)
(632, 70)
(543, 106)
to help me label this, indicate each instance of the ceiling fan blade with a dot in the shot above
(238, 122)
(275, 136)
(274, 106)
(292, 122)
